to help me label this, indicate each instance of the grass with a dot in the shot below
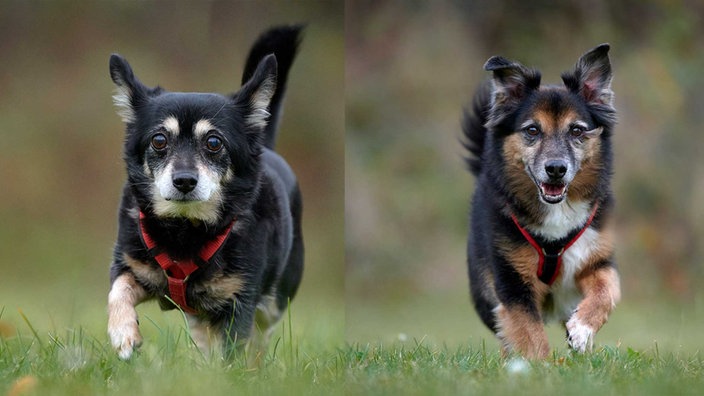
(77, 362)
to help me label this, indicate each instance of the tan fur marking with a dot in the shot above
(513, 151)
(592, 147)
(222, 287)
(586, 178)
(229, 175)
(516, 154)
(123, 101)
(547, 121)
(201, 128)
(123, 327)
(259, 116)
(602, 290)
(520, 332)
(171, 125)
(524, 259)
(146, 272)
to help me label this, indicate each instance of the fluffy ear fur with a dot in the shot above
(512, 81)
(256, 94)
(591, 77)
(130, 92)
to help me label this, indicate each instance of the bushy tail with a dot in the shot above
(473, 127)
(282, 41)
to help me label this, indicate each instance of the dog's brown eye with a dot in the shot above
(532, 130)
(213, 144)
(159, 141)
(577, 131)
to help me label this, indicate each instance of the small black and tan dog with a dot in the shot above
(541, 239)
(210, 219)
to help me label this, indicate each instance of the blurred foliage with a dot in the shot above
(412, 66)
(61, 141)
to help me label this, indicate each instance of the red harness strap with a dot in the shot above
(177, 272)
(549, 263)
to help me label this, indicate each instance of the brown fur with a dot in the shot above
(581, 187)
(601, 290)
(515, 153)
(551, 123)
(521, 332)
(145, 272)
(524, 260)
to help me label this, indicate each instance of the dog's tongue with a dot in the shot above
(553, 189)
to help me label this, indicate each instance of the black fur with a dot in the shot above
(283, 41)
(265, 247)
(499, 108)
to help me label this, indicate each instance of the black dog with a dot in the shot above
(541, 245)
(210, 219)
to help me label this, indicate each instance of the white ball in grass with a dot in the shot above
(517, 365)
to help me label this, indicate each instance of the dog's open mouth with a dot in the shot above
(553, 193)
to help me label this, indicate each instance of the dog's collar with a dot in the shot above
(550, 262)
(177, 272)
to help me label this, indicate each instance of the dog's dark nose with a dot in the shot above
(556, 169)
(184, 181)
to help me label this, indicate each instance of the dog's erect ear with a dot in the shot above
(591, 77)
(130, 92)
(257, 92)
(512, 81)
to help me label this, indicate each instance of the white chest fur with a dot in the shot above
(559, 220)
(562, 218)
(565, 294)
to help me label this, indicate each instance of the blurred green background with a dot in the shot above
(374, 102)
(61, 142)
(411, 66)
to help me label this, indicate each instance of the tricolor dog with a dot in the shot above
(210, 219)
(541, 238)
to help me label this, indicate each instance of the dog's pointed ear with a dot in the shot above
(591, 77)
(255, 95)
(130, 92)
(512, 80)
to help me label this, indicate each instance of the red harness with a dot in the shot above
(549, 263)
(177, 272)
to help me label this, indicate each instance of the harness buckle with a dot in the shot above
(556, 255)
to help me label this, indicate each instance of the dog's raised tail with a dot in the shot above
(474, 129)
(282, 41)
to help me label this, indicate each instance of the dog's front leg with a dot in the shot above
(123, 326)
(521, 330)
(208, 338)
(601, 290)
(238, 326)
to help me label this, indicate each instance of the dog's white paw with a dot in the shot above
(124, 336)
(580, 337)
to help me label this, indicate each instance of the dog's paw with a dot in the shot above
(125, 337)
(580, 337)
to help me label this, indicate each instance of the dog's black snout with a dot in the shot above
(185, 181)
(556, 169)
